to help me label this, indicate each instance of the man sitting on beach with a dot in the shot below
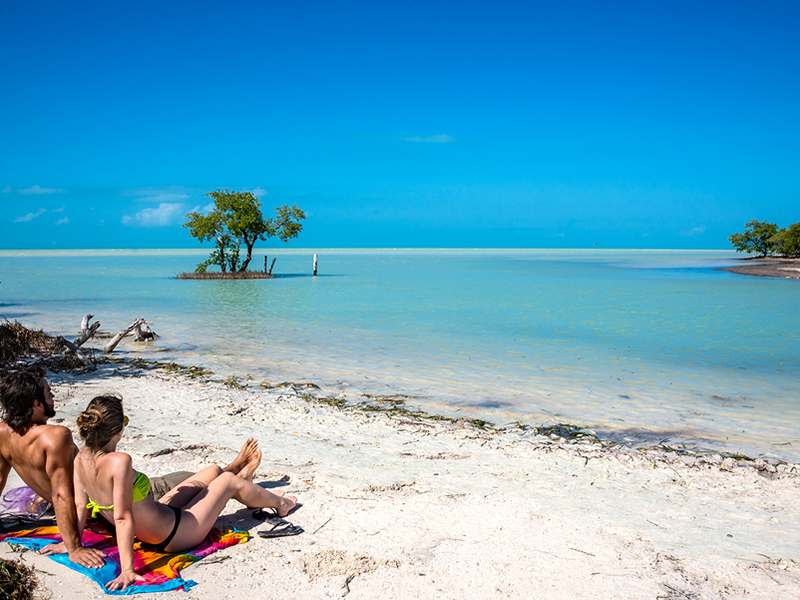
(43, 455)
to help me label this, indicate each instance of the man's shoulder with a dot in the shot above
(48, 437)
(57, 435)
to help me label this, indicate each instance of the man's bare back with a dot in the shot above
(42, 455)
(26, 454)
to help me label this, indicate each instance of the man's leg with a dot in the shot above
(159, 486)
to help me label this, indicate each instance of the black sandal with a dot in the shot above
(281, 529)
(262, 514)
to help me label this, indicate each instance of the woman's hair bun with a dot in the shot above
(88, 420)
(101, 421)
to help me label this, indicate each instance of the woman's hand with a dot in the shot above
(124, 580)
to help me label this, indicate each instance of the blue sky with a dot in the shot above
(523, 124)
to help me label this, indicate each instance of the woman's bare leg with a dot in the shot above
(185, 492)
(200, 514)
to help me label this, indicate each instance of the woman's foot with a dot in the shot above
(287, 504)
(247, 461)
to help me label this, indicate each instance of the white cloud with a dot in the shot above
(167, 197)
(258, 192)
(40, 190)
(431, 139)
(203, 209)
(30, 216)
(61, 210)
(63, 221)
(5, 190)
(166, 213)
(695, 231)
(169, 194)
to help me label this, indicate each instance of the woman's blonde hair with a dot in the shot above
(101, 420)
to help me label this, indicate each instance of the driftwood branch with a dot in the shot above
(85, 322)
(77, 352)
(118, 338)
(144, 333)
(87, 334)
(272, 265)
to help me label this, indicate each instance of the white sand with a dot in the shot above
(436, 511)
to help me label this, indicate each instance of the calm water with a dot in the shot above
(642, 345)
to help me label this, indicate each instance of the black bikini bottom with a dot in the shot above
(163, 545)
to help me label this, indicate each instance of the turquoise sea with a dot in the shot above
(644, 346)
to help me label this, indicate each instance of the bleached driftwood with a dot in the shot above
(77, 352)
(85, 322)
(118, 338)
(144, 333)
(86, 334)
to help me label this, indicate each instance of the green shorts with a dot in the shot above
(161, 485)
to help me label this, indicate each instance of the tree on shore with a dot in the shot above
(787, 240)
(235, 221)
(757, 237)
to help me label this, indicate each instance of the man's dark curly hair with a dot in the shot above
(18, 392)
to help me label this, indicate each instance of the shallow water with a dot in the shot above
(642, 345)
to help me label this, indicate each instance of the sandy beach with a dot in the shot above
(422, 509)
(785, 268)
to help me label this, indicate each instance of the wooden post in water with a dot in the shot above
(272, 265)
(315, 265)
(265, 263)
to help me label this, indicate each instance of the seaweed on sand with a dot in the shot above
(191, 371)
(567, 432)
(17, 343)
(294, 385)
(339, 403)
(393, 405)
(18, 582)
(233, 383)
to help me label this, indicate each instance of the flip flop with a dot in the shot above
(281, 529)
(262, 514)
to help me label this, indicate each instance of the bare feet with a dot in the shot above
(247, 461)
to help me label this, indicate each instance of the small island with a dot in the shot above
(236, 220)
(777, 251)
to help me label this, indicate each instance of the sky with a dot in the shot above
(401, 124)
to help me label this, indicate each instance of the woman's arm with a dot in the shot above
(122, 481)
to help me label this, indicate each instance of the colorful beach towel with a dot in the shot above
(160, 570)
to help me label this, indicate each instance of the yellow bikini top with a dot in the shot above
(141, 488)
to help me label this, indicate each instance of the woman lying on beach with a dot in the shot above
(105, 483)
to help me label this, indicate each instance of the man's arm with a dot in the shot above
(5, 469)
(59, 458)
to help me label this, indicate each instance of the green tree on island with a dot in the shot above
(236, 220)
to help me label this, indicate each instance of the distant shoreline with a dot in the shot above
(784, 268)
